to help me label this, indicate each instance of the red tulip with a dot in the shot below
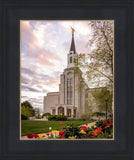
(61, 123)
(111, 122)
(84, 128)
(105, 122)
(47, 133)
(30, 135)
(93, 134)
(99, 129)
(36, 136)
(61, 133)
(62, 137)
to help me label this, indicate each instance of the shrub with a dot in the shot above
(23, 117)
(98, 114)
(46, 115)
(79, 119)
(57, 118)
(72, 130)
(38, 117)
(85, 117)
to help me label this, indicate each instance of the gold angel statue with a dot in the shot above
(72, 30)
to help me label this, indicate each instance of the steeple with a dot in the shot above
(72, 48)
(72, 53)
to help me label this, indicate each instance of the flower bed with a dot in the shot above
(101, 129)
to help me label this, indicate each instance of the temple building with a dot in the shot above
(73, 91)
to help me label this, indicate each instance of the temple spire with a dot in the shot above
(72, 48)
(72, 55)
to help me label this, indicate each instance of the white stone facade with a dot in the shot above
(70, 99)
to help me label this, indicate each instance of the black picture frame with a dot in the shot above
(11, 12)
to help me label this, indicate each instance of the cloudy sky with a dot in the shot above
(44, 49)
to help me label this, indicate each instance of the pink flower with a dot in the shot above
(61, 123)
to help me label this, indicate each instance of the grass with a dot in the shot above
(36, 127)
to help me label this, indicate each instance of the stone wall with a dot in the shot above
(50, 101)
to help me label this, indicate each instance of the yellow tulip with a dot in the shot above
(73, 137)
(83, 132)
(107, 126)
(41, 136)
(95, 126)
(55, 131)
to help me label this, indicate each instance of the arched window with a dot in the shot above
(69, 73)
(70, 59)
(60, 111)
(69, 112)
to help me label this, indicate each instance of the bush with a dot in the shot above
(46, 115)
(86, 116)
(38, 117)
(79, 119)
(23, 117)
(57, 118)
(72, 130)
(98, 114)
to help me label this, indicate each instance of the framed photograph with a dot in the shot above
(66, 80)
(81, 105)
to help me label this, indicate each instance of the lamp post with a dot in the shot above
(106, 107)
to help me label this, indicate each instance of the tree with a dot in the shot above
(98, 64)
(29, 107)
(101, 96)
(25, 112)
(37, 113)
(26, 104)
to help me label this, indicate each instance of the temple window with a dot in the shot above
(70, 59)
(69, 73)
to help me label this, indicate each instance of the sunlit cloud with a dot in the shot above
(44, 49)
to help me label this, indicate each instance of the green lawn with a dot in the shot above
(35, 127)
